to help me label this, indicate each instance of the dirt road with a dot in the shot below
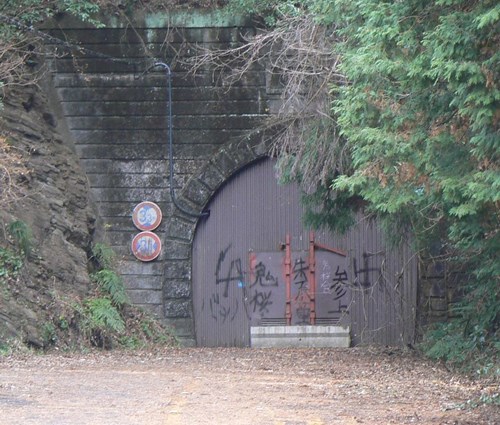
(237, 386)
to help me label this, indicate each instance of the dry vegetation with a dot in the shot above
(301, 64)
(12, 172)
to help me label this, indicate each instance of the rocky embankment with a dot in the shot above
(54, 203)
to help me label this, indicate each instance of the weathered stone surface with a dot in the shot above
(225, 163)
(157, 92)
(211, 177)
(141, 296)
(177, 269)
(187, 122)
(177, 289)
(69, 267)
(177, 250)
(142, 282)
(183, 328)
(153, 107)
(128, 180)
(119, 123)
(438, 304)
(134, 195)
(180, 229)
(155, 309)
(178, 308)
(124, 210)
(139, 268)
(197, 192)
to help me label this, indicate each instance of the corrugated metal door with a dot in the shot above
(251, 212)
(375, 288)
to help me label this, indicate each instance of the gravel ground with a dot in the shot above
(238, 386)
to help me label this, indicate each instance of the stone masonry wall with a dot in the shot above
(438, 291)
(117, 118)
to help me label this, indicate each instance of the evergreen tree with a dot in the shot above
(417, 116)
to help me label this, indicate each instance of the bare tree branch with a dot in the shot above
(301, 64)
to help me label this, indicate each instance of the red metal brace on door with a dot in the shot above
(311, 277)
(253, 261)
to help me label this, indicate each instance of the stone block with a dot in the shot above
(178, 308)
(240, 152)
(225, 164)
(438, 304)
(178, 269)
(183, 328)
(142, 297)
(300, 336)
(139, 268)
(211, 177)
(134, 196)
(438, 288)
(435, 269)
(180, 228)
(141, 282)
(127, 180)
(154, 309)
(177, 289)
(197, 192)
(177, 250)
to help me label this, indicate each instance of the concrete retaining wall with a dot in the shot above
(300, 336)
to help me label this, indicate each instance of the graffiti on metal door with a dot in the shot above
(223, 305)
(320, 285)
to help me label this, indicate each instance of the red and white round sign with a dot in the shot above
(146, 246)
(147, 216)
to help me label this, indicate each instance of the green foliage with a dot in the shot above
(111, 284)
(103, 255)
(130, 342)
(270, 10)
(101, 315)
(33, 11)
(10, 265)
(421, 120)
(12, 345)
(483, 399)
(98, 320)
(108, 317)
(84, 10)
(339, 218)
(464, 346)
(18, 38)
(145, 331)
(21, 233)
(418, 111)
(154, 332)
(49, 334)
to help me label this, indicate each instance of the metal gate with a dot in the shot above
(254, 263)
(285, 288)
